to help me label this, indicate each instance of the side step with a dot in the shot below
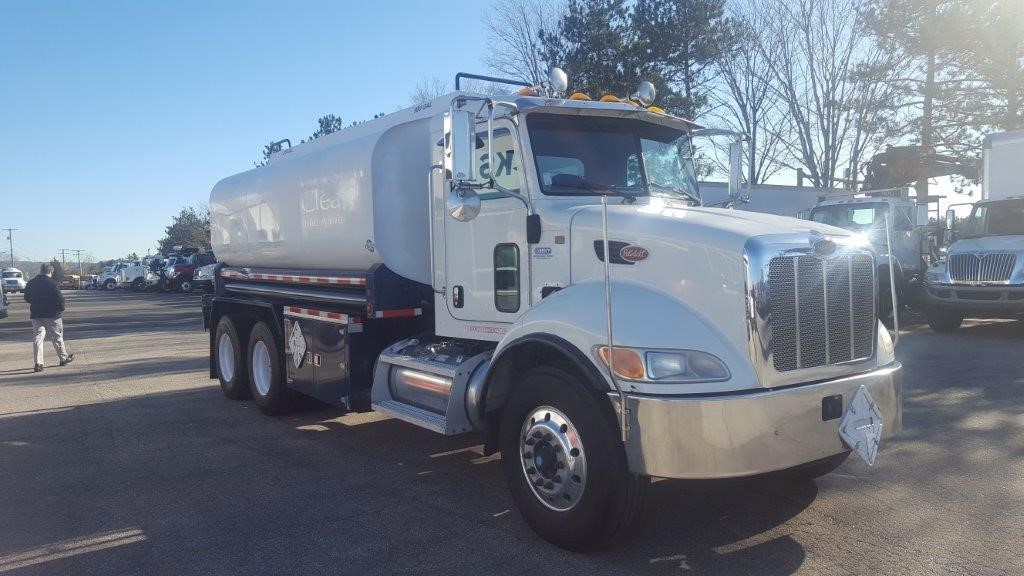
(434, 385)
(413, 415)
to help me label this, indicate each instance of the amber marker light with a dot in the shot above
(628, 363)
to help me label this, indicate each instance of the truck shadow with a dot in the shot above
(192, 469)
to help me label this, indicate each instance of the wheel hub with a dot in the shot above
(553, 459)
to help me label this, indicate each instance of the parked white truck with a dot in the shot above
(13, 280)
(445, 265)
(982, 275)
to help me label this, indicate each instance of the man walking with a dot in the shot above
(47, 303)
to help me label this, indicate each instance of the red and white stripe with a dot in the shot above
(398, 313)
(336, 317)
(291, 279)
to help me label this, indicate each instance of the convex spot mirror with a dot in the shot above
(463, 203)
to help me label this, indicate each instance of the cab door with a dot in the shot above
(485, 260)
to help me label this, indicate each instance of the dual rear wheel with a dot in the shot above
(255, 371)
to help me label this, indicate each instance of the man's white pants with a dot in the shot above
(53, 326)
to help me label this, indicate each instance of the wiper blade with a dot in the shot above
(676, 190)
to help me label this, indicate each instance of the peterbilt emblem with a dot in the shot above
(823, 247)
(634, 253)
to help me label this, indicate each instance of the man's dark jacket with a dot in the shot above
(44, 295)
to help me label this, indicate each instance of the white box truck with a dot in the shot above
(539, 269)
(982, 275)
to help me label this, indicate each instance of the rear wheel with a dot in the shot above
(231, 366)
(565, 464)
(266, 376)
(138, 285)
(942, 320)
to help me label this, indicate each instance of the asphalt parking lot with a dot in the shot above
(130, 461)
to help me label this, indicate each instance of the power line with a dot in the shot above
(10, 239)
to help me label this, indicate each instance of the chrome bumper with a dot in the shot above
(747, 434)
(992, 298)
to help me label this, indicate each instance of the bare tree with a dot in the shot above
(514, 29)
(815, 50)
(428, 89)
(744, 100)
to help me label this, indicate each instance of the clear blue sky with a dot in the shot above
(115, 115)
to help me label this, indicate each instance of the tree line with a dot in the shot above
(817, 85)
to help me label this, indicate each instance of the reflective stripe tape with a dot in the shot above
(336, 317)
(290, 279)
(401, 313)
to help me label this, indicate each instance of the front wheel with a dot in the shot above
(138, 285)
(565, 464)
(266, 372)
(185, 286)
(110, 284)
(942, 320)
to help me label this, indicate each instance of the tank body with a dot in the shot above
(345, 201)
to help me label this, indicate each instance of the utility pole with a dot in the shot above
(10, 239)
(78, 254)
(64, 257)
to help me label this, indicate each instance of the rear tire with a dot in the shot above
(231, 364)
(942, 320)
(266, 372)
(574, 489)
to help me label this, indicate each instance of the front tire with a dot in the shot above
(138, 285)
(942, 320)
(266, 372)
(231, 364)
(565, 464)
(110, 284)
(185, 286)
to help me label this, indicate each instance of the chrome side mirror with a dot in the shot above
(735, 168)
(460, 128)
(463, 203)
(950, 218)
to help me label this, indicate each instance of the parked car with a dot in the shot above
(13, 280)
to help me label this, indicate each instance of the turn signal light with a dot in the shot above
(610, 98)
(579, 96)
(655, 109)
(628, 363)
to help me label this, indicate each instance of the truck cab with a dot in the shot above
(911, 235)
(539, 269)
(13, 280)
(112, 276)
(982, 275)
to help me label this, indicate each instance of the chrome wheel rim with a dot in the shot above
(186, 286)
(552, 458)
(226, 358)
(261, 367)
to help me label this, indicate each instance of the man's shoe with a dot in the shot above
(38, 368)
(68, 360)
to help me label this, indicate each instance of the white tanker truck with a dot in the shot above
(446, 265)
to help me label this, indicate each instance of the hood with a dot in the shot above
(988, 244)
(695, 254)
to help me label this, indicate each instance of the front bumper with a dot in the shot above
(999, 298)
(750, 433)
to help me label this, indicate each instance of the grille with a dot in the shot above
(981, 267)
(822, 311)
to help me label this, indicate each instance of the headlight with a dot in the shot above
(666, 366)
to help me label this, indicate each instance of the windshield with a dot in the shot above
(1005, 218)
(576, 154)
(857, 217)
(12, 274)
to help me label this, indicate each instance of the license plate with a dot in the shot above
(861, 426)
